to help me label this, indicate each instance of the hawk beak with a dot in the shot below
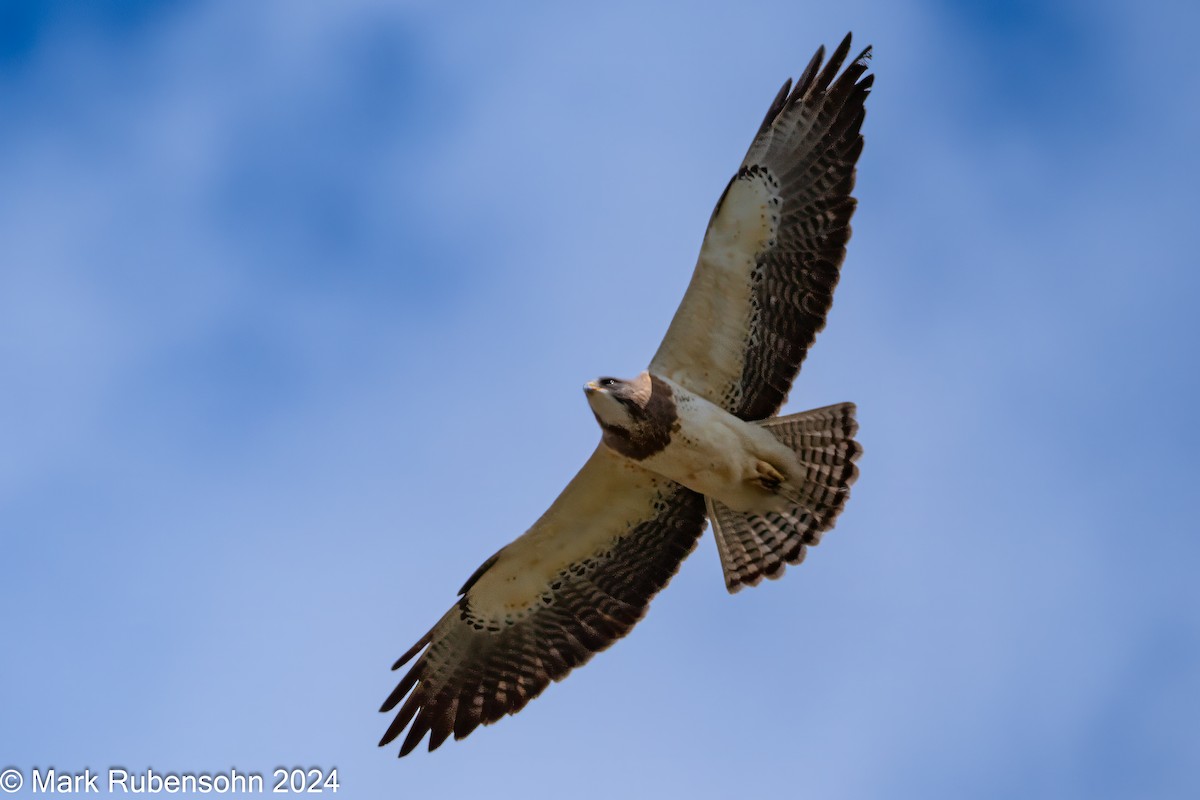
(590, 387)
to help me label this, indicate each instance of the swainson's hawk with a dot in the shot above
(691, 438)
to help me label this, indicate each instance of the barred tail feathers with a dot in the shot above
(753, 546)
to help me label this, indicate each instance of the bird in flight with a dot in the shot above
(692, 438)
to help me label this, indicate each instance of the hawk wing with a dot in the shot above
(577, 581)
(766, 273)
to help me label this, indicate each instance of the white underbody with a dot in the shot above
(719, 455)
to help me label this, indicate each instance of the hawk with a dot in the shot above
(693, 438)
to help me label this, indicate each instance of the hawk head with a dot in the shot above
(616, 403)
(637, 416)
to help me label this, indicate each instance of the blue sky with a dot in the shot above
(282, 282)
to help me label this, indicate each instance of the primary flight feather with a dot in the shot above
(692, 438)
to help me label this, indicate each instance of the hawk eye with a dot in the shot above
(607, 383)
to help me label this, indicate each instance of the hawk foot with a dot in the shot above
(768, 478)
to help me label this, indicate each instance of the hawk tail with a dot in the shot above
(756, 545)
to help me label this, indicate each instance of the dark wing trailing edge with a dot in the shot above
(764, 281)
(517, 627)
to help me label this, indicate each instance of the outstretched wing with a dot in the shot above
(577, 581)
(770, 260)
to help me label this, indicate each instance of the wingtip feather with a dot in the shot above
(836, 59)
(810, 72)
(412, 651)
(420, 727)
